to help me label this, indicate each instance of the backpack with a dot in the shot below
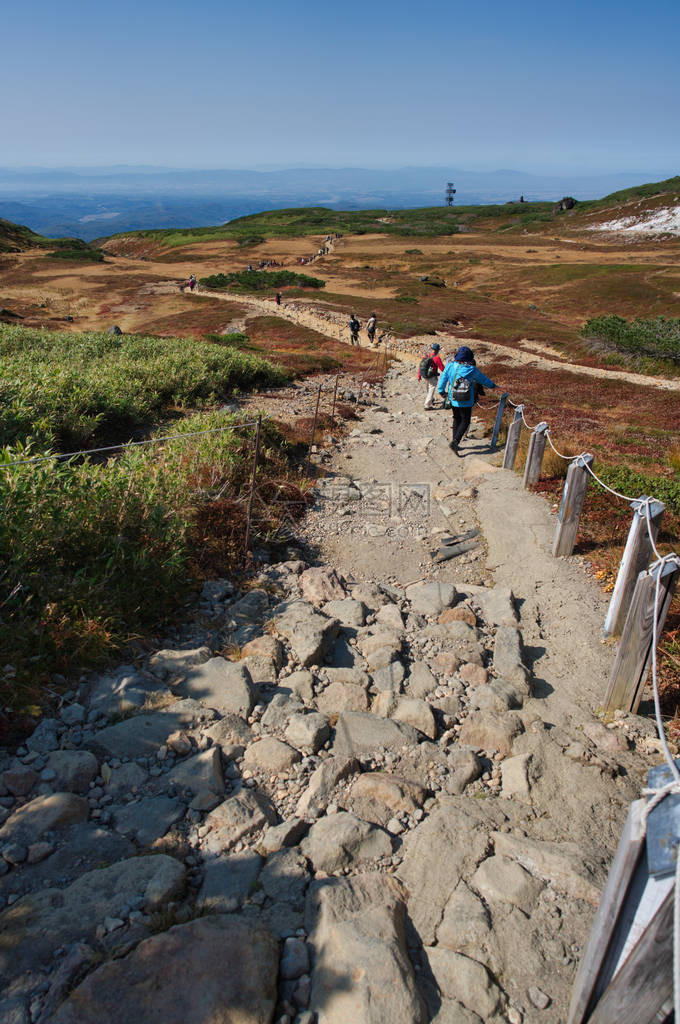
(427, 368)
(461, 388)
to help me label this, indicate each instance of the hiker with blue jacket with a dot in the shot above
(460, 382)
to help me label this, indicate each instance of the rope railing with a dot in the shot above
(126, 444)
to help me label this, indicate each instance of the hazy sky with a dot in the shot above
(538, 86)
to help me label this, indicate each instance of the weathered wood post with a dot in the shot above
(634, 655)
(499, 419)
(311, 440)
(335, 395)
(637, 554)
(256, 456)
(532, 467)
(512, 442)
(573, 496)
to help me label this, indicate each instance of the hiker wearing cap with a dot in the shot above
(459, 382)
(354, 328)
(430, 368)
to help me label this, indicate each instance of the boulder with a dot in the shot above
(200, 773)
(497, 605)
(489, 731)
(362, 971)
(347, 611)
(288, 833)
(308, 732)
(43, 814)
(341, 840)
(271, 755)
(320, 584)
(142, 735)
(339, 697)
(166, 664)
(500, 880)
(221, 969)
(407, 710)
(279, 710)
(309, 632)
(36, 925)
(227, 881)
(566, 866)
(323, 781)
(515, 778)
(300, 683)
(379, 796)
(388, 678)
(266, 646)
(149, 819)
(223, 685)
(285, 877)
(361, 734)
(421, 682)
(451, 841)
(74, 770)
(431, 598)
(466, 767)
(508, 656)
(235, 818)
(231, 731)
(461, 978)
(466, 926)
(390, 616)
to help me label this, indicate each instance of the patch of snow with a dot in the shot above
(657, 222)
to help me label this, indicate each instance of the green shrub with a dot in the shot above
(626, 481)
(84, 389)
(653, 337)
(258, 280)
(86, 255)
(92, 553)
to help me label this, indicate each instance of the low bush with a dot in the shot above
(93, 554)
(259, 280)
(85, 255)
(651, 337)
(85, 389)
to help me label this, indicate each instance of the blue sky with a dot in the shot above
(579, 87)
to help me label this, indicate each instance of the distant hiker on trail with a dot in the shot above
(430, 367)
(354, 328)
(192, 282)
(370, 328)
(459, 382)
(278, 298)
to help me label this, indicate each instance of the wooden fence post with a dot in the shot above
(512, 443)
(634, 655)
(532, 467)
(335, 395)
(637, 554)
(252, 487)
(573, 496)
(311, 441)
(499, 419)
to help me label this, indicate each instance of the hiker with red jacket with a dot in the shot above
(430, 368)
(461, 381)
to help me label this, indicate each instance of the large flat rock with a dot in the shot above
(223, 685)
(142, 735)
(308, 631)
(215, 970)
(360, 734)
(362, 972)
(33, 927)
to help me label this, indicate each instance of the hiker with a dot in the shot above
(278, 298)
(354, 328)
(430, 368)
(370, 328)
(192, 282)
(459, 382)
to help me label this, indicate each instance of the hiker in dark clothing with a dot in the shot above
(459, 382)
(354, 328)
(278, 298)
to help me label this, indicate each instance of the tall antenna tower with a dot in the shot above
(450, 193)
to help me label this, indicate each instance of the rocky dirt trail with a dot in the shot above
(334, 325)
(369, 788)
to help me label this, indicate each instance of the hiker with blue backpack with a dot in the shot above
(461, 382)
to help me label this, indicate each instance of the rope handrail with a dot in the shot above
(123, 445)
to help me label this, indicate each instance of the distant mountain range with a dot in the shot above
(91, 202)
